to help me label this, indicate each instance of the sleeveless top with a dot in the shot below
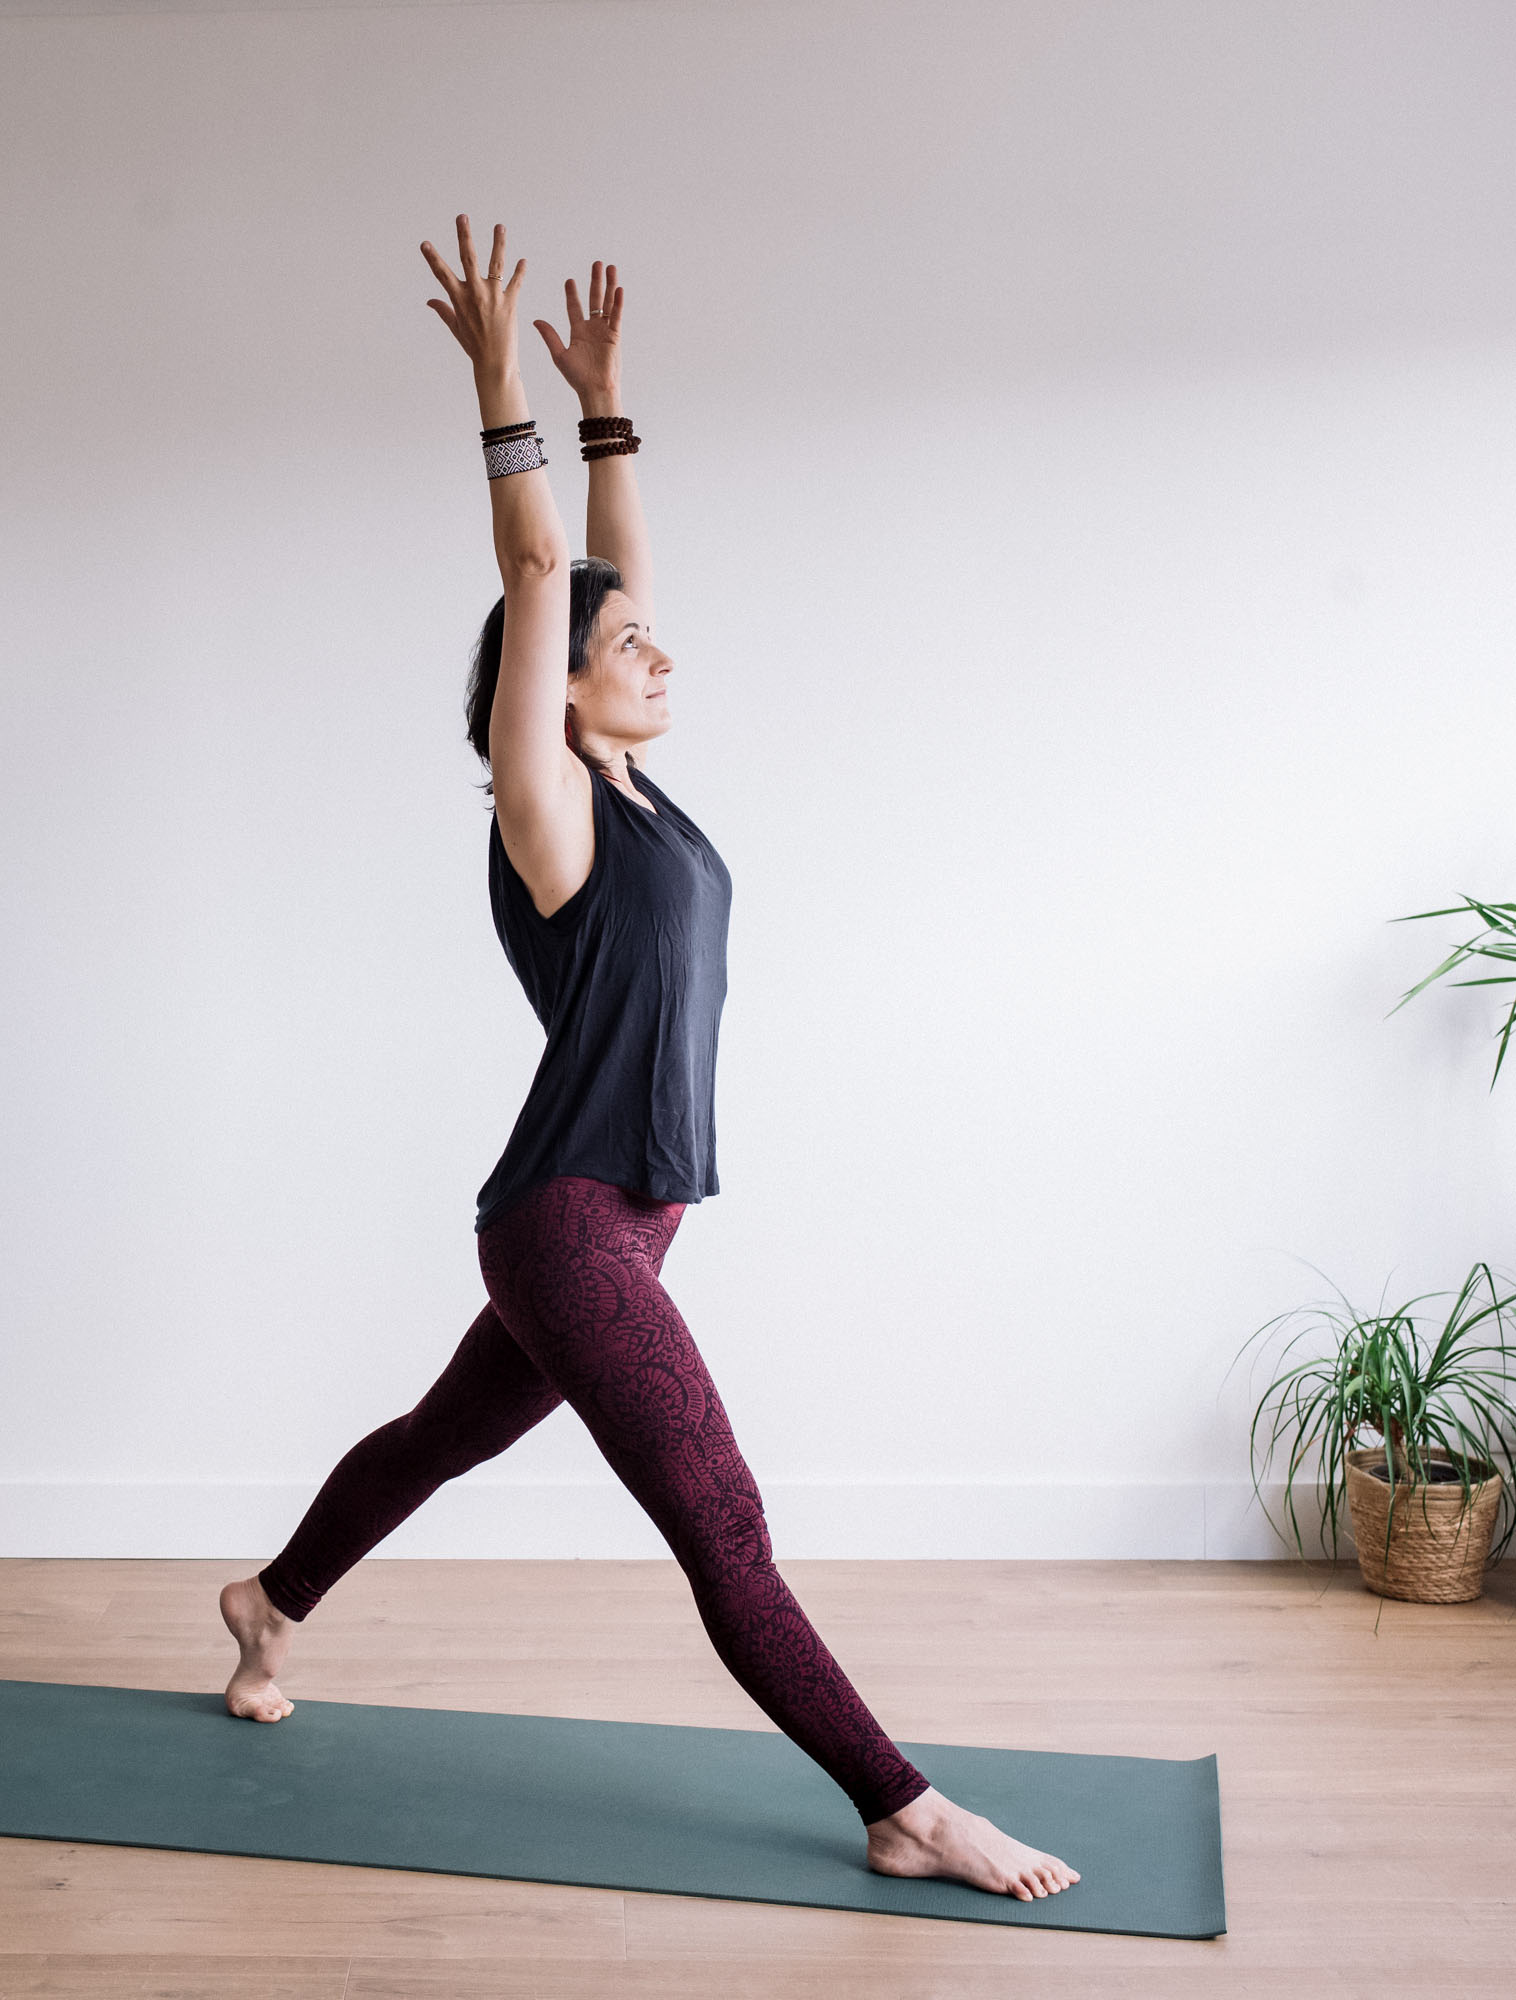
(628, 978)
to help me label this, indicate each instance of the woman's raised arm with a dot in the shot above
(529, 757)
(591, 365)
(480, 310)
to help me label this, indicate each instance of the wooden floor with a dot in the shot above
(1367, 1780)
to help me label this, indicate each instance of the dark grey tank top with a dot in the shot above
(628, 979)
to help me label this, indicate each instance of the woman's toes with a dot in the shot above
(260, 1708)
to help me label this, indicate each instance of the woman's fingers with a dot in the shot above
(441, 271)
(555, 346)
(466, 250)
(447, 278)
(605, 296)
(445, 314)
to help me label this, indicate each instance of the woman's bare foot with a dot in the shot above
(264, 1636)
(932, 1836)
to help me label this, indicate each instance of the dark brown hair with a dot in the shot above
(591, 579)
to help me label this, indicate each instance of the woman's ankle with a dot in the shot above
(913, 1816)
(270, 1610)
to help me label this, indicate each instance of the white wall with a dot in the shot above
(1078, 446)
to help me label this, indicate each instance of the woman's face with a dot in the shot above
(623, 700)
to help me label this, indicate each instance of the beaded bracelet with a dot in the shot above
(512, 448)
(615, 431)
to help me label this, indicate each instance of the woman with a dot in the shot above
(612, 908)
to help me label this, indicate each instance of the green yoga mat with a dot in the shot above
(734, 1813)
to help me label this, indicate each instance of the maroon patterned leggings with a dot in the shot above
(577, 1314)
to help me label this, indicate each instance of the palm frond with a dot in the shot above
(1497, 941)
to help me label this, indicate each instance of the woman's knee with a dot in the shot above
(720, 1537)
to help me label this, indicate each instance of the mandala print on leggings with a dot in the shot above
(577, 1313)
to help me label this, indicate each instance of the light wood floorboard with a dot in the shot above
(1367, 1780)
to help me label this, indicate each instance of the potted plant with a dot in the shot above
(1423, 1501)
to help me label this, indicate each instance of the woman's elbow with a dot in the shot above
(540, 561)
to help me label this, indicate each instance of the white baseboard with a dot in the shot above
(474, 1517)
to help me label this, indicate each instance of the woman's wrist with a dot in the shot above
(502, 398)
(602, 403)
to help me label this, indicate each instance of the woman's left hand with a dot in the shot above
(591, 363)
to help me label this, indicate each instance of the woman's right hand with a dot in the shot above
(480, 309)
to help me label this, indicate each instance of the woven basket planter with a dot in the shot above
(1438, 1547)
